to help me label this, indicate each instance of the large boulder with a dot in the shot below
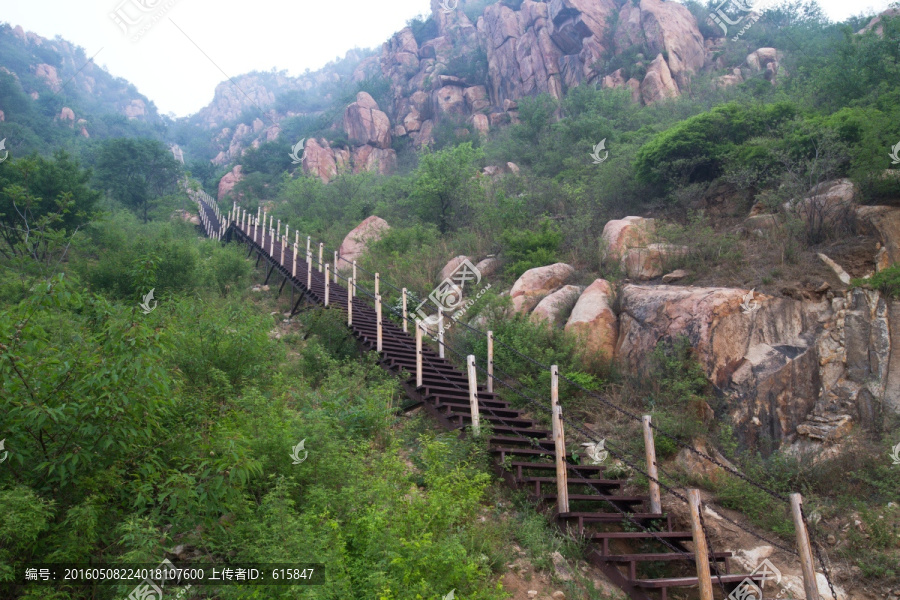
(536, 283)
(758, 351)
(658, 83)
(594, 321)
(319, 159)
(882, 222)
(228, 181)
(365, 123)
(829, 203)
(373, 160)
(370, 230)
(452, 266)
(551, 310)
(621, 234)
(652, 261)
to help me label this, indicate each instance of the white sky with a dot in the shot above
(236, 37)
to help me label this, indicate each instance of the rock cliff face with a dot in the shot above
(471, 70)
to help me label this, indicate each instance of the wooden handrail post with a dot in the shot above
(354, 277)
(650, 451)
(283, 245)
(377, 284)
(440, 332)
(350, 285)
(418, 354)
(321, 250)
(378, 340)
(336, 258)
(473, 395)
(559, 439)
(308, 270)
(296, 237)
(490, 361)
(810, 586)
(294, 271)
(327, 282)
(308, 242)
(405, 329)
(701, 550)
(287, 233)
(279, 227)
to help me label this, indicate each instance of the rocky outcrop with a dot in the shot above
(594, 321)
(537, 283)
(452, 266)
(621, 234)
(319, 160)
(883, 223)
(764, 361)
(366, 124)
(353, 246)
(765, 60)
(829, 203)
(651, 261)
(66, 114)
(552, 309)
(658, 83)
(48, 74)
(227, 183)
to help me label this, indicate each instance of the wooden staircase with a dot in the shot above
(639, 551)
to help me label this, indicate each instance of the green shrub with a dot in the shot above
(886, 281)
(526, 250)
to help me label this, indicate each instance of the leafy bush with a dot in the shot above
(886, 281)
(526, 250)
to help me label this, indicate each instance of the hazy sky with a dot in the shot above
(179, 69)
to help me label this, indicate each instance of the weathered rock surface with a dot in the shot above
(536, 283)
(452, 266)
(882, 222)
(829, 203)
(658, 83)
(594, 321)
(650, 262)
(365, 123)
(621, 234)
(228, 181)
(551, 310)
(353, 246)
(764, 362)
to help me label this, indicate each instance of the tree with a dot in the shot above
(136, 172)
(42, 200)
(444, 185)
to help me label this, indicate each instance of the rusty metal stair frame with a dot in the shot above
(444, 387)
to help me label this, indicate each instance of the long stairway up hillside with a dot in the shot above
(630, 544)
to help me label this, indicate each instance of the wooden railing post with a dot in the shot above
(473, 395)
(279, 228)
(490, 361)
(297, 237)
(335, 266)
(350, 286)
(272, 242)
(283, 245)
(559, 439)
(650, 451)
(354, 277)
(810, 586)
(440, 332)
(287, 233)
(321, 250)
(405, 314)
(378, 342)
(308, 270)
(327, 282)
(294, 271)
(377, 284)
(701, 550)
(418, 354)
